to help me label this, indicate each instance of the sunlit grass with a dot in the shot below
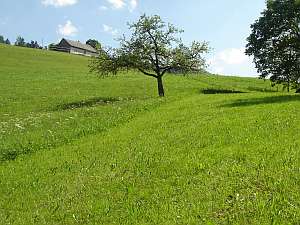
(78, 150)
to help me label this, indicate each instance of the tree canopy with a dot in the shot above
(275, 42)
(94, 43)
(20, 41)
(2, 41)
(154, 48)
(33, 44)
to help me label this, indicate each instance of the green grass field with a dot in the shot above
(75, 149)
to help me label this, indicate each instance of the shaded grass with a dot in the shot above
(220, 91)
(264, 100)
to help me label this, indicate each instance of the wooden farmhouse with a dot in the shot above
(75, 47)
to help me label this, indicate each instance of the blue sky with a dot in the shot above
(225, 24)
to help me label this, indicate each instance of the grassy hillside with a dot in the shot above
(75, 149)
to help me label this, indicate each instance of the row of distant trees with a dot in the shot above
(32, 44)
(4, 41)
(20, 41)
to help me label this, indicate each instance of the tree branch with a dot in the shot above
(165, 70)
(147, 74)
(155, 51)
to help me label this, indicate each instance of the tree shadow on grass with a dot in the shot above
(212, 91)
(264, 100)
(8, 155)
(99, 101)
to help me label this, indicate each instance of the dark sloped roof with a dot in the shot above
(78, 44)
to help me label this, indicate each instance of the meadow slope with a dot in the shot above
(75, 149)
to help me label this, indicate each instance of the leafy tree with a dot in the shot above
(20, 41)
(94, 43)
(153, 49)
(275, 43)
(28, 45)
(52, 47)
(33, 44)
(2, 39)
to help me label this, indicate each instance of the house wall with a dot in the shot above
(78, 51)
(91, 54)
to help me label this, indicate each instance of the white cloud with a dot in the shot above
(132, 5)
(68, 29)
(58, 3)
(232, 61)
(117, 4)
(110, 30)
(233, 56)
(120, 4)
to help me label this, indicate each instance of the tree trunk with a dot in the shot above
(160, 86)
